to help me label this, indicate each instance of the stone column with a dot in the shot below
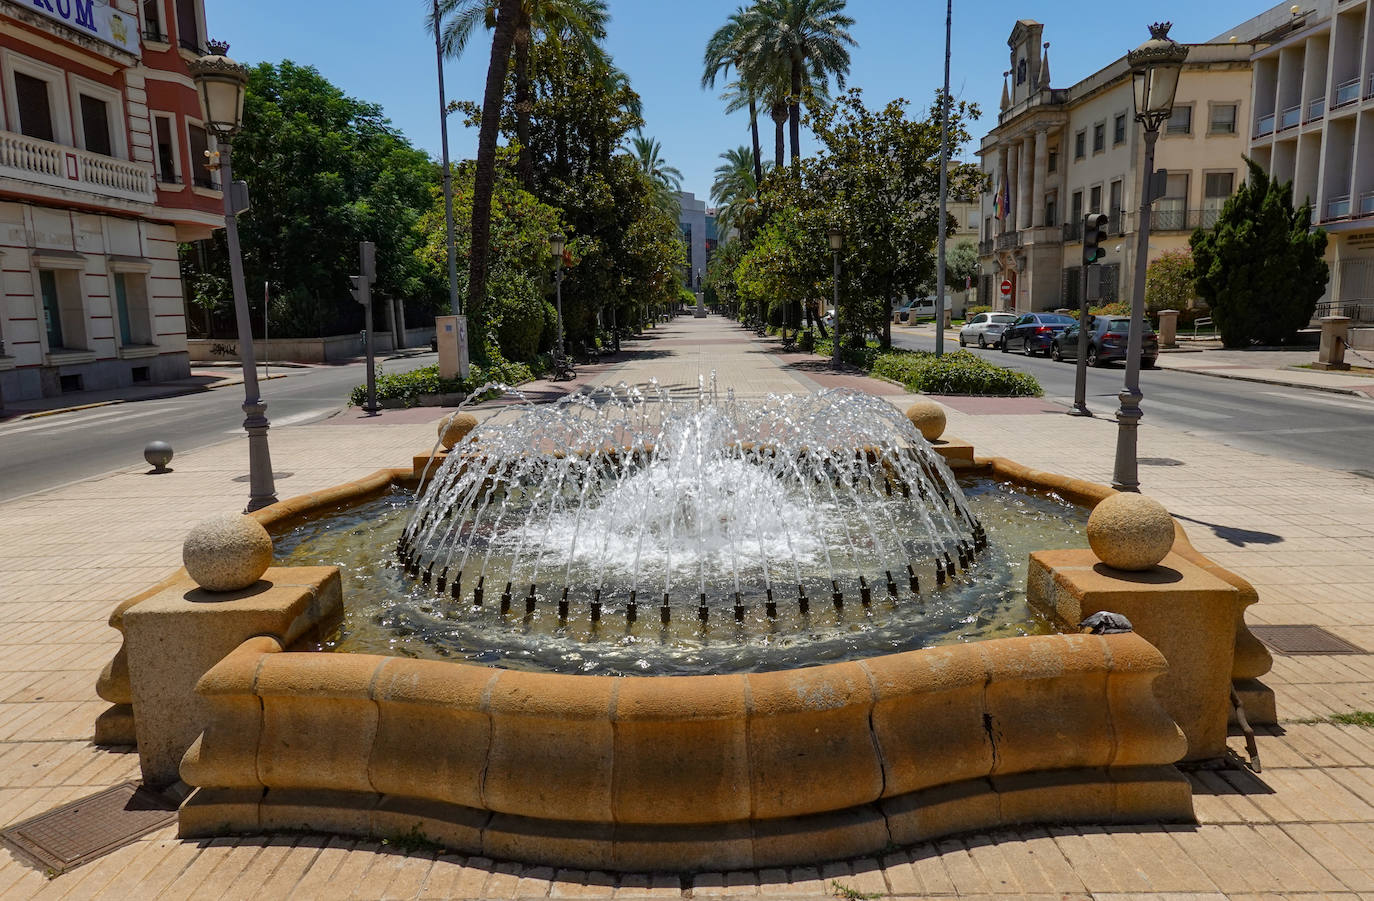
(1335, 333)
(1168, 328)
(1023, 183)
(1013, 189)
(1042, 164)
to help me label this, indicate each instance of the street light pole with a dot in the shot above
(455, 306)
(1155, 68)
(221, 82)
(836, 245)
(556, 243)
(944, 192)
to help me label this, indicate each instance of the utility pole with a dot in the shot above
(362, 293)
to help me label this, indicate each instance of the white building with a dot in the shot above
(692, 222)
(1313, 124)
(1059, 153)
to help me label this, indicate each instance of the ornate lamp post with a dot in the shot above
(556, 243)
(836, 245)
(221, 82)
(1155, 68)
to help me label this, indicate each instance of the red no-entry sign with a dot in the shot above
(1006, 287)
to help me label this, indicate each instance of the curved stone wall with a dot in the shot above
(762, 769)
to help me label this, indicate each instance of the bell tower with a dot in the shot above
(1025, 59)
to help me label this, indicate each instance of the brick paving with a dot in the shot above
(1304, 536)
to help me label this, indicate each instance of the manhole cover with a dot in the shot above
(275, 475)
(1159, 461)
(83, 830)
(1298, 640)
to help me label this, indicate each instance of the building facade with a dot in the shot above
(1313, 124)
(103, 171)
(1057, 154)
(692, 223)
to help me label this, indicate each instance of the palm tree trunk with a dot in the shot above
(779, 136)
(484, 175)
(794, 111)
(754, 133)
(524, 163)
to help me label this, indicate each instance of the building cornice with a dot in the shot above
(50, 35)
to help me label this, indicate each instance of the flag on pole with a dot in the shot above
(1001, 201)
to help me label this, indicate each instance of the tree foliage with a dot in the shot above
(1169, 282)
(1260, 267)
(326, 171)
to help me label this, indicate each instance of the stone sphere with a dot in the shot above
(455, 428)
(928, 417)
(1130, 532)
(227, 552)
(158, 454)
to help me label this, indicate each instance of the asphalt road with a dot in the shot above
(1333, 431)
(36, 454)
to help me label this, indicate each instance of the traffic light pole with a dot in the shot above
(1125, 475)
(362, 293)
(1080, 381)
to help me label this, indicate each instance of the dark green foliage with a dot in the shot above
(961, 372)
(1260, 267)
(411, 386)
(325, 171)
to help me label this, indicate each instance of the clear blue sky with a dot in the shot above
(380, 52)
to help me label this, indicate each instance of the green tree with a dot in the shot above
(725, 49)
(1169, 282)
(733, 189)
(961, 264)
(1260, 267)
(666, 179)
(326, 171)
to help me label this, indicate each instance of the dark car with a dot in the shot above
(1107, 337)
(1034, 332)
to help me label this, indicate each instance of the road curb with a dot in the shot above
(1329, 389)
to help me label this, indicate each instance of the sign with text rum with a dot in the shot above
(94, 18)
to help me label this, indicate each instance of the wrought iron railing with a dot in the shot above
(54, 165)
(1183, 219)
(1358, 310)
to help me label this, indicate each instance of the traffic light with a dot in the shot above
(1094, 233)
(361, 289)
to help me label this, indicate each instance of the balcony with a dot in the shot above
(55, 166)
(1338, 208)
(1367, 203)
(1009, 241)
(1180, 219)
(1073, 231)
(1347, 92)
(1315, 109)
(1290, 117)
(1369, 87)
(1265, 126)
(985, 248)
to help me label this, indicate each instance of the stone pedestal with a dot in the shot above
(1168, 328)
(1185, 612)
(1335, 333)
(175, 637)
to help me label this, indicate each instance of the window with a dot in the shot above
(35, 107)
(1076, 215)
(1099, 137)
(64, 315)
(1223, 119)
(188, 26)
(95, 125)
(201, 176)
(1079, 144)
(1054, 159)
(131, 304)
(1181, 122)
(1095, 199)
(1119, 129)
(1171, 210)
(166, 150)
(987, 229)
(52, 311)
(152, 21)
(1051, 211)
(1216, 187)
(1115, 224)
(1108, 281)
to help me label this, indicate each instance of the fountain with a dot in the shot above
(672, 631)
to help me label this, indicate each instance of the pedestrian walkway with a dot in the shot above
(1304, 828)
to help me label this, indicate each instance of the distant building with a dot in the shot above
(1313, 124)
(1058, 153)
(692, 222)
(102, 173)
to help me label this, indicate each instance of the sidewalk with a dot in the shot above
(1304, 536)
(1273, 367)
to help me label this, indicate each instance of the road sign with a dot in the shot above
(1006, 287)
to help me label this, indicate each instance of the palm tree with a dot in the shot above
(502, 18)
(734, 188)
(807, 38)
(582, 22)
(667, 181)
(725, 49)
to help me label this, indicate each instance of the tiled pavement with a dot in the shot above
(1303, 536)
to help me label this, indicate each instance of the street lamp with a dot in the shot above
(556, 243)
(1155, 68)
(221, 82)
(836, 245)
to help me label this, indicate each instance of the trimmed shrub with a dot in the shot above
(411, 386)
(961, 372)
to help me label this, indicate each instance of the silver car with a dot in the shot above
(985, 329)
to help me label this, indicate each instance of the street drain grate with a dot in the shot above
(83, 830)
(1159, 461)
(1299, 640)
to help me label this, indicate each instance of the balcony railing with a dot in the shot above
(1183, 219)
(985, 247)
(191, 46)
(1315, 109)
(152, 32)
(1009, 241)
(1073, 231)
(1346, 92)
(1265, 126)
(1338, 207)
(1369, 87)
(1358, 310)
(1367, 203)
(46, 163)
(1290, 117)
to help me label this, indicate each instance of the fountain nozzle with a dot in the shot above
(913, 580)
(665, 614)
(739, 607)
(429, 574)
(477, 592)
(443, 581)
(703, 612)
(770, 606)
(865, 593)
(803, 604)
(631, 608)
(939, 571)
(836, 595)
(891, 585)
(562, 606)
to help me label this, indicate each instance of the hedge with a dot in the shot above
(411, 386)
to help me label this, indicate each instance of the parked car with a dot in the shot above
(1107, 337)
(1034, 332)
(985, 329)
